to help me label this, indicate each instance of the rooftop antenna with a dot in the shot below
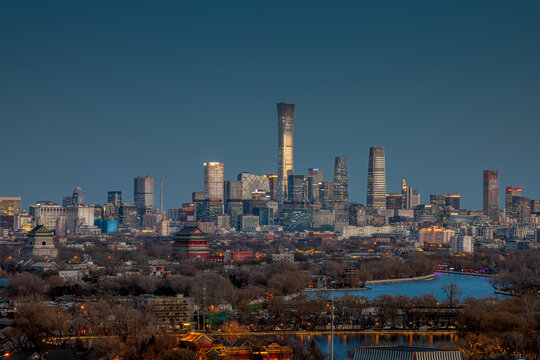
(161, 196)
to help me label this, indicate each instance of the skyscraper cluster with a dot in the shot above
(288, 200)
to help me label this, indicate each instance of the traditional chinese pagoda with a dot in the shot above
(191, 243)
(42, 244)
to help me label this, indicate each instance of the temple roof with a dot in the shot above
(40, 230)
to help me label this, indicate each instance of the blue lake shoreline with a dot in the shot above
(471, 286)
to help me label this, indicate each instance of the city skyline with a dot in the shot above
(440, 98)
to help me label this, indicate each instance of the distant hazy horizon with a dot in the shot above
(96, 93)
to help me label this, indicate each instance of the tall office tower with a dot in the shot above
(115, 198)
(491, 195)
(213, 180)
(273, 180)
(315, 181)
(376, 191)
(295, 191)
(453, 201)
(285, 146)
(232, 190)
(143, 192)
(341, 180)
(511, 191)
(77, 198)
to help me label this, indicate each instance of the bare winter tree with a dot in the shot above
(453, 294)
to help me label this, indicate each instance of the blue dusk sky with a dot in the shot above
(94, 93)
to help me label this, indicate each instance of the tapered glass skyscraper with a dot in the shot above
(285, 146)
(341, 180)
(376, 190)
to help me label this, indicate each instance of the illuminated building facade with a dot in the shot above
(213, 180)
(286, 113)
(341, 180)
(435, 235)
(491, 195)
(9, 207)
(376, 191)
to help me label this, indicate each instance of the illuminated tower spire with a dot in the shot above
(285, 146)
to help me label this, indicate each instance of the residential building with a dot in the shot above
(169, 312)
(462, 244)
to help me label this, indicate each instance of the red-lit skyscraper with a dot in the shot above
(491, 194)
